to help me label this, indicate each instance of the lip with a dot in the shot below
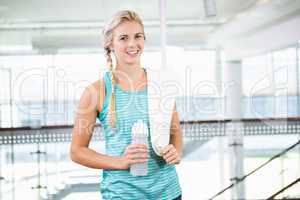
(132, 52)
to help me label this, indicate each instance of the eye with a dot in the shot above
(139, 36)
(123, 38)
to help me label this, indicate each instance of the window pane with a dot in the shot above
(257, 75)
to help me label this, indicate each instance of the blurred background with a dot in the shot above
(238, 89)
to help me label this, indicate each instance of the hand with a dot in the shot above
(134, 153)
(170, 155)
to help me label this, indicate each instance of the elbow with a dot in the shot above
(74, 154)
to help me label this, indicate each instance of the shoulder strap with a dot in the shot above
(107, 92)
(101, 88)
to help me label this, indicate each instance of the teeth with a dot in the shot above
(132, 52)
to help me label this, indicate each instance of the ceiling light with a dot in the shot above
(210, 8)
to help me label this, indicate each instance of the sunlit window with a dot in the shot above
(47, 88)
(270, 84)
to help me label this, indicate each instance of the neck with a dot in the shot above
(131, 71)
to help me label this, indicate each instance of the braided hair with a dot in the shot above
(118, 18)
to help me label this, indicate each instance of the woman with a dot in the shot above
(118, 101)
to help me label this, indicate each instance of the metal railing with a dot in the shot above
(239, 180)
(284, 189)
(193, 130)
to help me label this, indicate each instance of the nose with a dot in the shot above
(131, 42)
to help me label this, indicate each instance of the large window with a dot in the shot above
(270, 84)
(5, 108)
(46, 88)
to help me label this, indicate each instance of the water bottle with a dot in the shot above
(139, 135)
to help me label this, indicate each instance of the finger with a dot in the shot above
(175, 161)
(137, 146)
(134, 151)
(139, 161)
(139, 156)
(171, 158)
(131, 159)
(167, 149)
(170, 153)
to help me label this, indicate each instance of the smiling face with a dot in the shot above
(128, 43)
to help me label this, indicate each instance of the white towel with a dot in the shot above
(161, 102)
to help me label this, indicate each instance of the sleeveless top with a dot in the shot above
(161, 182)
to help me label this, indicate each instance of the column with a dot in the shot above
(1, 178)
(234, 128)
(220, 106)
(163, 33)
(298, 97)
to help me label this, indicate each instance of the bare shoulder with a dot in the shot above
(98, 90)
(93, 96)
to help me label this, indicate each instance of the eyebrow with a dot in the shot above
(127, 34)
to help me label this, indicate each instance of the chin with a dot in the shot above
(132, 61)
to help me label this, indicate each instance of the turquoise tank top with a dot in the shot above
(161, 182)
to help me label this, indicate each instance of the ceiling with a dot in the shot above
(35, 26)
(99, 10)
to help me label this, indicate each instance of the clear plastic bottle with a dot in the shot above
(139, 135)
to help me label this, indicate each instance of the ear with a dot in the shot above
(111, 48)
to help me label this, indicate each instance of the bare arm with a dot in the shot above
(172, 153)
(90, 104)
(176, 134)
(82, 133)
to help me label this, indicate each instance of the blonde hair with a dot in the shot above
(118, 18)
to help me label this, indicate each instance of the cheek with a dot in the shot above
(142, 45)
(119, 50)
(117, 45)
